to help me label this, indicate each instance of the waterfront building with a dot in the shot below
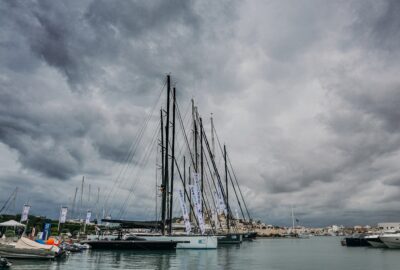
(389, 226)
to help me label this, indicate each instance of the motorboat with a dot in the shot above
(391, 240)
(375, 241)
(356, 240)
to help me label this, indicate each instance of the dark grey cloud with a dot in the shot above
(304, 94)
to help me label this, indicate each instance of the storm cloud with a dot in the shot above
(305, 94)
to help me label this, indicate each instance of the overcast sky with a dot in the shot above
(306, 95)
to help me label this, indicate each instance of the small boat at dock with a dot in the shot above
(25, 248)
(230, 238)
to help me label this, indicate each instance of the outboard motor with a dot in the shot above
(4, 263)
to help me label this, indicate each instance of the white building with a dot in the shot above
(389, 226)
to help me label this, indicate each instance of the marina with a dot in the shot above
(206, 191)
(200, 134)
(282, 254)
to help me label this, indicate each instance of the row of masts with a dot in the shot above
(79, 210)
(197, 153)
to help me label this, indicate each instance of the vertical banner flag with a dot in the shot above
(63, 214)
(197, 208)
(46, 231)
(221, 201)
(88, 216)
(25, 212)
(184, 211)
(215, 218)
(196, 181)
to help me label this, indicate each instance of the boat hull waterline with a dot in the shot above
(232, 238)
(17, 253)
(375, 241)
(132, 245)
(188, 241)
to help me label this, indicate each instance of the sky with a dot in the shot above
(305, 94)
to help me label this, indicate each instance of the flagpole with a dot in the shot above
(59, 219)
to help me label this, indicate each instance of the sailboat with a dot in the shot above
(293, 232)
(189, 241)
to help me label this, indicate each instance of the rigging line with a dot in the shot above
(139, 164)
(185, 116)
(187, 143)
(212, 198)
(13, 194)
(122, 172)
(135, 143)
(233, 171)
(240, 191)
(185, 191)
(216, 172)
(204, 198)
(138, 177)
(184, 133)
(139, 136)
(215, 186)
(132, 154)
(237, 198)
(233, 186)
(148, 152)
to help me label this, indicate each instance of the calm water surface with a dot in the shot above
(275, 254)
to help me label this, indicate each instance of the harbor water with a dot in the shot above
(275, 254)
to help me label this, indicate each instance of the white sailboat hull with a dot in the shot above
(192, 241)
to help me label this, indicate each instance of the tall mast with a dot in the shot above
(172, 160)
(184, 177)
(292, 220)
(195, 137)
(165, 176)
(190, 198)
(162, 187)
(212, 136)
(212, 156)
(201, 162)
(89, 192)
(73, 203)
(80, 211)
(226, 188)
(97, 203)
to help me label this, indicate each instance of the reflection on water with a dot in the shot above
(275, 254)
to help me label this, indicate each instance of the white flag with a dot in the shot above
(197, 208)
(215, 218)
(221, 202)
(196, 181)
(184, 211)
(25, 212)
(88, 216)
(63, 214)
